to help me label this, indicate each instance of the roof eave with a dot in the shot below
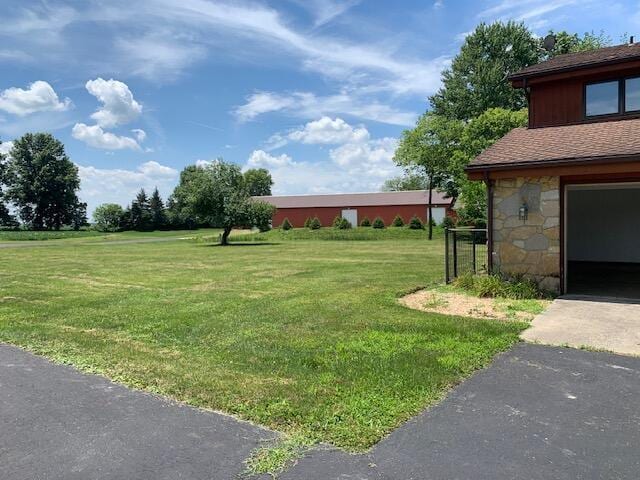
(516, 77)
(575, 161)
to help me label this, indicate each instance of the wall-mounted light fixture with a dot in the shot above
(523, 212)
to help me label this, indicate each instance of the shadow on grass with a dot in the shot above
(241, 244)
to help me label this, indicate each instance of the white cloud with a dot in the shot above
(170, 36)
(358, 166)
(39, 97)
(438, 4)
(158, 56)
(308, 105)
(95, 136)
(140, 134)
(526, 10)
(262, 102)
(5, 148)
(120, 185)
(260, 158)
(329, 131)
(118, 105)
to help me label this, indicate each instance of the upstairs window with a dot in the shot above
(603, 98)
(632, 94)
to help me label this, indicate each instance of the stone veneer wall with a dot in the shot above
(532, 247)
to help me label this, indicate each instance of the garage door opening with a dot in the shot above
(602, 240)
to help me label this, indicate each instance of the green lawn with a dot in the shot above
(22, 235)
(304, 336)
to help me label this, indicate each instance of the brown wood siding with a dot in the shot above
(561, 101)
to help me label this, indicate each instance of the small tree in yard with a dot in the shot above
(307, 222)
(337, 221)
(378, 223)
(217, 194)
(365, 222)
(108, 217)
(315, 224)
(398, 221)
(286, 224)
(415, 223)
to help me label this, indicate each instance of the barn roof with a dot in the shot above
(572, 61)
(523, 147)
(413, 197)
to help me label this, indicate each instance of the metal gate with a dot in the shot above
(465, 251)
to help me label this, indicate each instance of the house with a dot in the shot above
(564, 193)
(356, 206)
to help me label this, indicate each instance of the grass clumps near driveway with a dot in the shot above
(276, 457)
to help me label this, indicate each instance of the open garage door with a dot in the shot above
(602, 239)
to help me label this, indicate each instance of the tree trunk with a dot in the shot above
(430, 209)
(224, 240)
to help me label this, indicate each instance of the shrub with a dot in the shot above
(398, 221)
(286, 224)
(307, 223)
(448, 222)
(337, 221)
(365, 222)
(415, 223)
(344, 224)
(378, 223)
(315, 224)
(495, 286)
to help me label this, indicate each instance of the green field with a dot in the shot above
(304, 336)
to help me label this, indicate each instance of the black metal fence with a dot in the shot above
(465, 251)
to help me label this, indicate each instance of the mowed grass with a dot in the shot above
(305, 337)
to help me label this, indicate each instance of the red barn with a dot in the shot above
(355, 206)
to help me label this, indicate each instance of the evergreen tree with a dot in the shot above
(141, 212)
(158, 213)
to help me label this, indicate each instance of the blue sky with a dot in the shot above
(316, 91)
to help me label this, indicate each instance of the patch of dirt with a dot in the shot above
(453, 303)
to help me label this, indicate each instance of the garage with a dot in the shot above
(602, 239)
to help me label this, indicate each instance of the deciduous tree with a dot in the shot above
(218, 195)
(258, 181)
(43, 182)
(108, 217)
(431, 146)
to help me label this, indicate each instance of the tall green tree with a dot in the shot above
(430, 146)
(477, 78)
(258, 181)
(217, 194)
(158, 213)
(479, 134)
(408, 181)
(43, 182)
(6, 219)
(141, 212)
(108, 217)
(566, 42)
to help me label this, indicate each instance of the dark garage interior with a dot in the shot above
(603, 240)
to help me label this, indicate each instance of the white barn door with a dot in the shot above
(351, 216)
(438, 214)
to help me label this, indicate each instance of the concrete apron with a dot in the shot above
(611, 324)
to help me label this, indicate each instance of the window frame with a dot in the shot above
(622, 83)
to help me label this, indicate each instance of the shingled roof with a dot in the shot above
(572, 61)
(528, 147)
(413, 197)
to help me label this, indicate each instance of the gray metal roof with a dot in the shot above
(413, 197)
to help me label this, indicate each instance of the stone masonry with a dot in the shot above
(530, 248)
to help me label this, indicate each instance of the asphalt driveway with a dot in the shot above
(536, 413)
